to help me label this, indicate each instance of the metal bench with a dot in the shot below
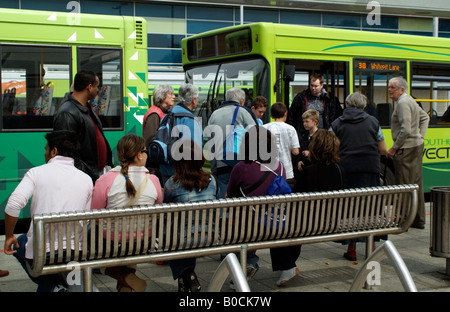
(197, 229)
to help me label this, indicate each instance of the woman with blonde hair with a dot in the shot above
(123, 186)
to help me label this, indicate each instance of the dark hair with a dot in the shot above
(259, 101)
(277, 110)
(189, 172)
(324, 148)
(127, 148)
(316, 77)
(83, 79)
(65, 141)
(256, 141)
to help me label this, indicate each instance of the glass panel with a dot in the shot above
(214, 80)
(301, 18)
(386, 22)
(218, 13)
(432, 82)
(341, 20)
(49, 5)
(372, 79)
(160, 10)
(444, 24)
(34, 82)
(107, 7)
(226, 43)
(254, 15)
(196, 27)
(107, 64)
(164, 40)
(164, 57)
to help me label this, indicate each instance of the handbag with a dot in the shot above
(233, 142)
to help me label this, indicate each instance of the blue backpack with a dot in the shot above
(160, 147)
(279, 186)
(232, 144)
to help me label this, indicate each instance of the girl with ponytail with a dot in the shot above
(129, 184)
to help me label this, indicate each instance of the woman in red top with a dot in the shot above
(163, 100)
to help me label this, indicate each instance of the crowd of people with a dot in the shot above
(313, 144)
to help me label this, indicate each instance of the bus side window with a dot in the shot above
(34, 82)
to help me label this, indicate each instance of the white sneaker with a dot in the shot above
(287, 275)
(59, 288)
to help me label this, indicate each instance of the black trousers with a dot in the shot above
(283, 258)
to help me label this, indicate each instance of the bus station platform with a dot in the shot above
(322, 269)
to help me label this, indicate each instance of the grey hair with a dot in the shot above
(187, 93)
(401, 83)
(357, 100)
(235, 94)
(160, 93)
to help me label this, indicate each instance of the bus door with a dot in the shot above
(293, 75)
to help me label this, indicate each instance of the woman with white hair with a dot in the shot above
(362, 143)
(163, 100)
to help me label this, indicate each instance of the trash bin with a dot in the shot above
(440, 224)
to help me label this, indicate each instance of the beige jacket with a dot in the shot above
(409, 123)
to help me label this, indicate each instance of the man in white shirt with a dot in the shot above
(55, 187)
(287, 139)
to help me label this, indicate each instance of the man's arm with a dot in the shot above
(10, 239)
(424, 120)
(16, 202)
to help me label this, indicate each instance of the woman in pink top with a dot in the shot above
(122, 186)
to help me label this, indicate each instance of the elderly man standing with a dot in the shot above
(409, 126)
(222, 119)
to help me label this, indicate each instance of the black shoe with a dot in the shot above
(182, 286)
(194, 284)
(188, 282)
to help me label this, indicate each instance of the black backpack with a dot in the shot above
(161, 145)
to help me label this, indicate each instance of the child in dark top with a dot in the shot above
(310, 123)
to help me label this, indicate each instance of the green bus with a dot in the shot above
(40, 54)
(276, 60)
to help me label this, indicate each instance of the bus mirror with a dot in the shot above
(289, 72)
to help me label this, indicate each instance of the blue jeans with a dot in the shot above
(45, 283)
(223, 180)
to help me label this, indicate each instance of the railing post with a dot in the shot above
(87, 279)
(243, 257)
(230, 265)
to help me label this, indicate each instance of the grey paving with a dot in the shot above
(322, 269)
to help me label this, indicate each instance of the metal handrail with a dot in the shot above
(229, 266)
(387, 249)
